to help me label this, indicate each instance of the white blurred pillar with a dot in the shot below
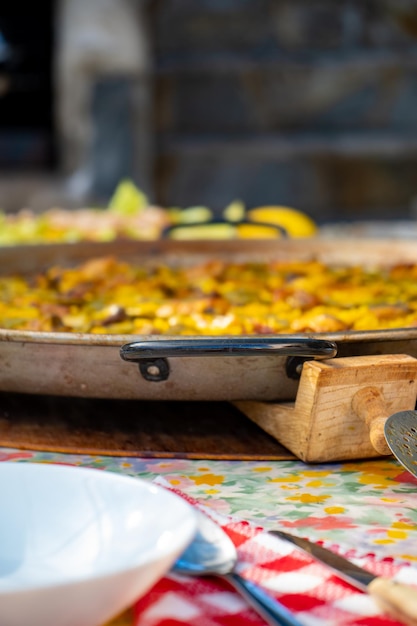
(103, 95)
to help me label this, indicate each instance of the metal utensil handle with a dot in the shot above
(272, 611)
(229, 346)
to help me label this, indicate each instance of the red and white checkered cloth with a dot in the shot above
(312, 591)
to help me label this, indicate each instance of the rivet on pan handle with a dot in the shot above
(152, 354)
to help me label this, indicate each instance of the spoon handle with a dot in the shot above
(270, 609)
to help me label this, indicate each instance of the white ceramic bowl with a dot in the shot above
(78, 545)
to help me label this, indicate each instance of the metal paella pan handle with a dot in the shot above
(152, 354)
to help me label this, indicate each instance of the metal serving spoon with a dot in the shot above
(212, 552)
(400, 432)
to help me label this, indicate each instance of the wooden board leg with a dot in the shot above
(341, 407)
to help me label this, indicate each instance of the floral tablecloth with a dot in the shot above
(359, 508)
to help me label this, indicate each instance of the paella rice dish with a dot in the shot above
(108, 295)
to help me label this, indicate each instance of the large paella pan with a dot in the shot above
(221, 367)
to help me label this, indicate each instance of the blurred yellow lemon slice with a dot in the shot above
(296, 223)
(235, 211)
(191, 215)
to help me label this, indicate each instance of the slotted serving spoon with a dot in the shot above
(401, 434)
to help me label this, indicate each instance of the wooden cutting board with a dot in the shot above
(193, 430)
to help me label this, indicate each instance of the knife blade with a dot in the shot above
(399, 599)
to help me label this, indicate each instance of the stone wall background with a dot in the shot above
(310, 103)
(307, 103)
